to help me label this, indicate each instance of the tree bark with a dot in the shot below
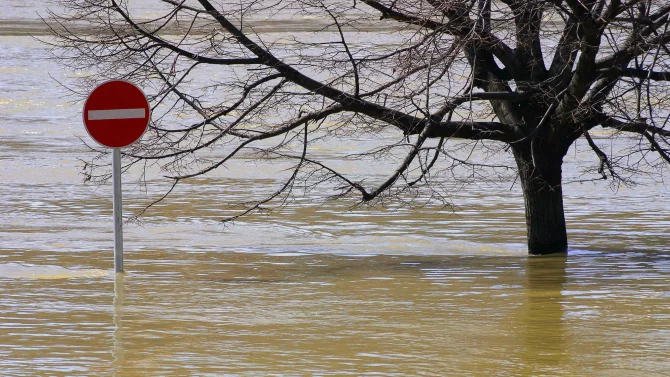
(543, 197)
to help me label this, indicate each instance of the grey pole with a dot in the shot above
(118, 353)
(118, 210)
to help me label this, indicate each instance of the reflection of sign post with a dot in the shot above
(116, 114)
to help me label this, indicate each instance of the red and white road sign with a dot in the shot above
(116, 114)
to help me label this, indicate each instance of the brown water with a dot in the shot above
(255, 314)
(319, 288)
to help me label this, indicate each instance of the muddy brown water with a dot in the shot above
(318, 289)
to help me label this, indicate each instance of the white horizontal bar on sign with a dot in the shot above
(115, 114)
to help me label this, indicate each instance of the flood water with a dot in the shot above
(292, 314)
(319, 288)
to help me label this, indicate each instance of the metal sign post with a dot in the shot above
(118, 210)
(116, 114)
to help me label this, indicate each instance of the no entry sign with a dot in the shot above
(116, 114)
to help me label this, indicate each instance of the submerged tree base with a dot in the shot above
(537, 250)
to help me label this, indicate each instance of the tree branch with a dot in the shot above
(317, 115)
(639, 127)
(604, 160)
(193, 56)
(635, 73)
(459, 26)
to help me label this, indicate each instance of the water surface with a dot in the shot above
(319, 288)
(294, 314)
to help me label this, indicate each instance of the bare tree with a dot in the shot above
(527, 77)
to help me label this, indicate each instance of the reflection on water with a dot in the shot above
(187, 313)
(118, 303)
(542, 315)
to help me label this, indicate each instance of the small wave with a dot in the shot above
(21, 271)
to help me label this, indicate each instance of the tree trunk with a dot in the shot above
(543, 197)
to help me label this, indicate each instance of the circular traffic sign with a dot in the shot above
(116, 114)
